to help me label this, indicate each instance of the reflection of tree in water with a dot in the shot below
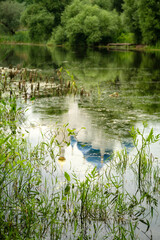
(26, 56)
(8, 56)
(40, 57)
(137, 73)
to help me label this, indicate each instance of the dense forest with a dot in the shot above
(83, 22)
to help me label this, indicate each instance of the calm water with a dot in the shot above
(135, 76)
(107, 120)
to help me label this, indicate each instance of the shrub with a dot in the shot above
(84, 23)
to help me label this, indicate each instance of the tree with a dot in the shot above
(86, 23)
(42, 16)
(149, 20)
(27, 2)
(143, 18)
(104, 4)
(39, 21)
(55, 7)
(10, 15)
(131, 14)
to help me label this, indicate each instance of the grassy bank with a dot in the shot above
(22, 37)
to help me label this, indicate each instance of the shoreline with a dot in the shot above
(21, 43)
(118, 47)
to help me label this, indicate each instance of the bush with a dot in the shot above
(21, 36)
(126, 38)
(84, 23)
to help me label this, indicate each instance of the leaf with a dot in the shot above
(67, 176)
(67, 189)
(33, 98)
(152, 212)
(146, 223)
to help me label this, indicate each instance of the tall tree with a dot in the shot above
(39, 21)
(149, 20)
(86, 23)
(42, 16)
(143, 18)
(131, 14)
(55, 7)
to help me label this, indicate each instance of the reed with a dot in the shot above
(34, 204)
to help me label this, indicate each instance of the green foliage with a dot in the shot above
(117, 4)
(126, 38)
(84, 23)
(39, 21)
(143, 18)
(10, 15)
(67, 176)
(55, 7)
(132, 18)
(35, 204)
(3, 30)
(149, 20)
(141, 145)
(59, 35)
(104, 4)
(19, 37)
(27, 2)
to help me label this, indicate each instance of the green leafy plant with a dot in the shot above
(144, 162)
(35, 203)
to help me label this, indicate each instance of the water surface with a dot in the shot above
(106, 116)
(123, 90)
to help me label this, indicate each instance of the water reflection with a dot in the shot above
(134, 75)
(92, 146)
(97, 157)
(26, 56)
(107, 120)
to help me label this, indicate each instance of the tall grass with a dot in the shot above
(34, 204)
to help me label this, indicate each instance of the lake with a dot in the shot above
(122, 90)
(107, 119)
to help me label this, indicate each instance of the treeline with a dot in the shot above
(83, 22)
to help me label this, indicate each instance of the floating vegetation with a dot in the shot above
(33, 83)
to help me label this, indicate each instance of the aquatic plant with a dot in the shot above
(144, 160)
(33, 83)
(36, 204)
